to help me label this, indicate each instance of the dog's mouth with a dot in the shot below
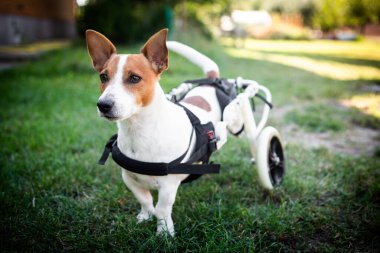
(110, 117)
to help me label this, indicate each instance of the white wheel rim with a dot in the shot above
(270, 158)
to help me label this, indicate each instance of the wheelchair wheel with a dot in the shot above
(270, 158)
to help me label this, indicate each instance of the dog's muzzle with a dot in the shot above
(105, 106)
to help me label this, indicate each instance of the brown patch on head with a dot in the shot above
(197, 101)
(109, 68)
(139, 65)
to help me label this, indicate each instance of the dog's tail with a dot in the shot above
(209, 67)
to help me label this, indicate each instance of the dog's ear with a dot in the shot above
(99, 48)
(156, 52)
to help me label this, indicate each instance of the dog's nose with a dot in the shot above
(105, 105)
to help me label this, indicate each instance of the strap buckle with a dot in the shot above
(211, 141)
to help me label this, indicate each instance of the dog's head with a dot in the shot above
(127, 81)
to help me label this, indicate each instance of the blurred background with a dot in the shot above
(27, 21)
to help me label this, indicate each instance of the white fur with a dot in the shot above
(158, 132)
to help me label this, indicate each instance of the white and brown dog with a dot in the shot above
(132, 97)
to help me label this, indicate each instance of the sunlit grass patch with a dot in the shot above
(326, 68)
(350, 50)
(35, 47)
(366, 103)
(330, 117)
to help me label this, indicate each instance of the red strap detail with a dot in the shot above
(211, 135)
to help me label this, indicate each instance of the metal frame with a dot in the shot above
(252, 130)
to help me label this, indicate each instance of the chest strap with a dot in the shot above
(202, 152)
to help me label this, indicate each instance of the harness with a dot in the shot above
(225, 91)
(205, 143)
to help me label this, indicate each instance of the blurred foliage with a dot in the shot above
(283, 31)
(355, 13)
(361, 12)
(204, 15)
(134, 20)
(328, 14)
(125, 21)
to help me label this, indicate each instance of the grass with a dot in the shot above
(318, 118)
(54, 197)
(324, 117)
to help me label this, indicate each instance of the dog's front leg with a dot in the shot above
(166, 197)
(143, 195)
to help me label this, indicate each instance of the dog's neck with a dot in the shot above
(158, 132)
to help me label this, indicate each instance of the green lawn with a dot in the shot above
(54, 196)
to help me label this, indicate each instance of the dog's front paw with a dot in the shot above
(165, 227)
(144, 216)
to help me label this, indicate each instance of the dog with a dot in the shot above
(150, 127)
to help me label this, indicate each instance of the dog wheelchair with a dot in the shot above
(265, 141)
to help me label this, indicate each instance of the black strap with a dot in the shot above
(217, 82)
(239, 132)
(264, 100)
(107, 149)
(124, 161)
(223, 100)
(175, 166)
(157, 169)
(220, 83)
(205, 147)
(201, 151)
(197, 169)
(193, 119)
(201, 81)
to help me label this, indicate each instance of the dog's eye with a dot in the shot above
(134, 79)
(103, 78)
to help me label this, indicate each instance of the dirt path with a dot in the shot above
(355, 141)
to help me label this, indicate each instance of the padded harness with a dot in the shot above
(225, 91)
(204, 147)
(205, 143)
